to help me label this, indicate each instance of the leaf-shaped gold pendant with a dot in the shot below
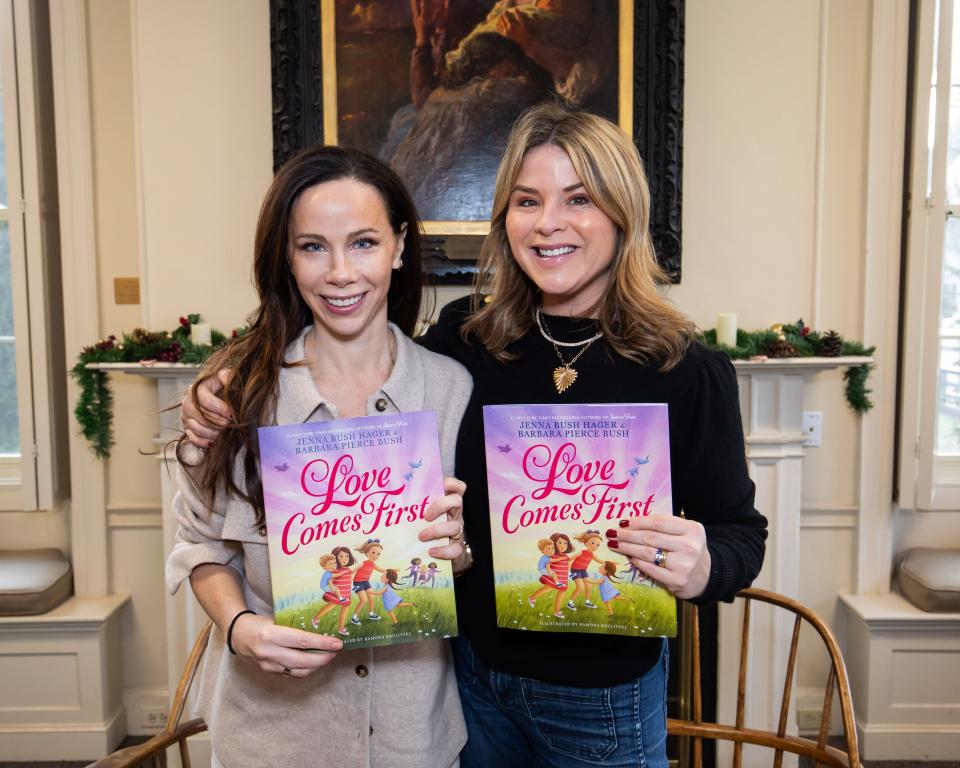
(564, 377)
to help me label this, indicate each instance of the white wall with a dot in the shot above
(773, 221)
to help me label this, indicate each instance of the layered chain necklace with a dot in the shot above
(565, 374)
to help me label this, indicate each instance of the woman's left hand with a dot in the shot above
(684, 567)
(450, 505)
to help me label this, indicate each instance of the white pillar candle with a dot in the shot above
(727, 329)
(200, 333)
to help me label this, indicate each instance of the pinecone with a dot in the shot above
(781, 348)
(170, 354)
(831, 345)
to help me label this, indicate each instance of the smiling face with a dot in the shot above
(341, 251)
(374, 552)
(561, 545)
(343, 558)
(549, 549)
(557, 234)
(593, 543)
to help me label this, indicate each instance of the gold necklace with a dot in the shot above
(565, 374)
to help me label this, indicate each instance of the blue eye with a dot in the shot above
(526, 202)
(311, 247)
(364, 243)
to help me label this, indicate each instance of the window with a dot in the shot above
(930, 391)
(32, 361)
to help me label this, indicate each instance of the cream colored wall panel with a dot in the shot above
(842, 237)
(137, 559)
(22, 690)
(917, 675)
(750, 99)
(916, 528)
(131, 470)
(830, 472)
(202, 85)
(827, 545)
(111, 105)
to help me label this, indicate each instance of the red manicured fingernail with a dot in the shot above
(624, 523)
(611, 533)
(613, 544)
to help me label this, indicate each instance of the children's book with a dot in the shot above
(560, 476)
(344, 506)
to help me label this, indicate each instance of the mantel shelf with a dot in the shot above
(770, 365)
(154, 371)
(799, 364)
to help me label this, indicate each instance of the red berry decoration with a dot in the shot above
(184, 321)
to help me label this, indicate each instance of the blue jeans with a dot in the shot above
(516, 721)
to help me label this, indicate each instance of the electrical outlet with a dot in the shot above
(153, 717)
(813, 428)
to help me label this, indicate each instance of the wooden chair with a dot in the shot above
(779, 741)
(152, 753)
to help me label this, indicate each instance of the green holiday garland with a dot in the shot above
(94, 409)
(797, 340)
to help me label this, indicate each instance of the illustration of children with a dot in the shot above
(342, 580)
(547, 550)
(608, 592)
(361, 578)
(591, 541)
(430, 574)
(560, 566)
(331, 593)
(413, 571)
(390, 597)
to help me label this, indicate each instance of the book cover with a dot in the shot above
(558, 477)
(344, 506)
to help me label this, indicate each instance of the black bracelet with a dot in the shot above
(230, 629)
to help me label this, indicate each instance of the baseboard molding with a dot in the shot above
(62, 741)
(908, 742)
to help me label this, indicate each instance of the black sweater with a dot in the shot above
(709, 482)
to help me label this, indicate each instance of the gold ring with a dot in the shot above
(286, 671)
(661, 558)
(459, 534)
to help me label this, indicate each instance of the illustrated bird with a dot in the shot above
(504, 448)
(281, 467)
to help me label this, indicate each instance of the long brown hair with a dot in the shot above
(257, 357)
(636, 320)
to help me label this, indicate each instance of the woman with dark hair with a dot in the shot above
(568, 310)
(337, 271)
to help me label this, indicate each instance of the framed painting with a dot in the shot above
(433, 86)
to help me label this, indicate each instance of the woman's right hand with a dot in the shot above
(282, 650)
(203, 426)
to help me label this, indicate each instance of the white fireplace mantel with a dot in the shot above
(771, 405)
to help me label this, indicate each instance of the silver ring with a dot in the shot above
(286, 671)
(661, 558)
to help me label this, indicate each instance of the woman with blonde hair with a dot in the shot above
(569, 310)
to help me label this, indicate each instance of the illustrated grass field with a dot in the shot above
(433, 617)
(652, 611)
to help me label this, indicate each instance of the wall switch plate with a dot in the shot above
(813, 428)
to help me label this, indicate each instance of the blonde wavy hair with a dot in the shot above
(637, 321)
